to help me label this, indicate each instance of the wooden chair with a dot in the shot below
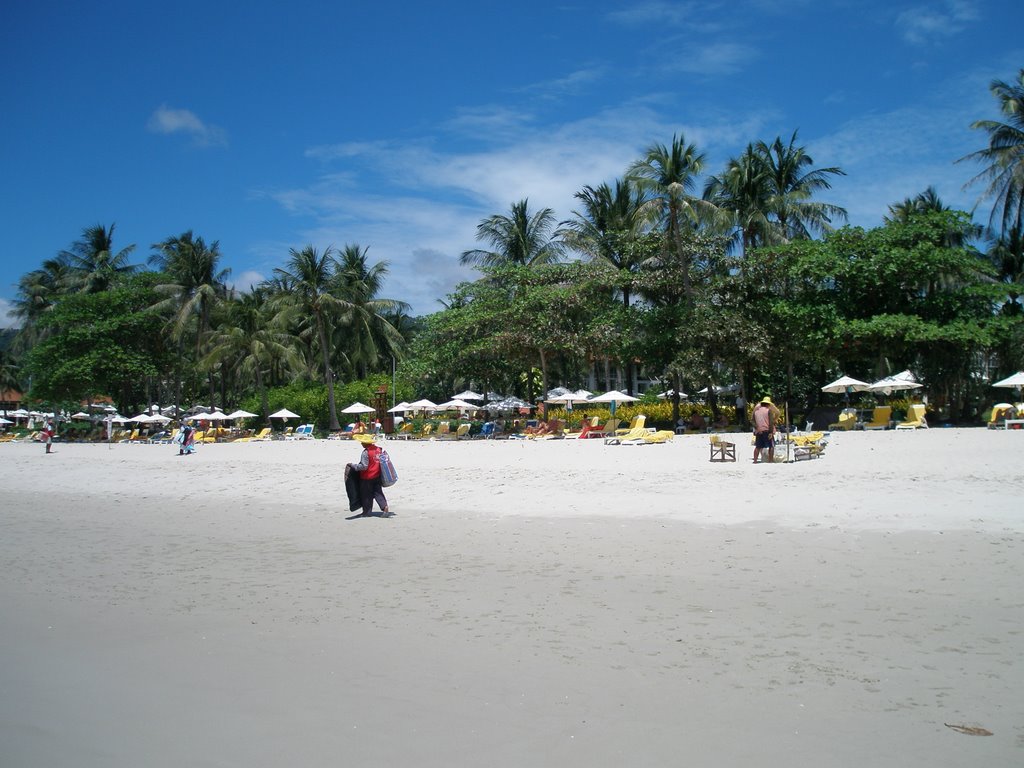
(722, 450)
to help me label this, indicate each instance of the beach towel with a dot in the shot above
(388, 475)
(355, 499)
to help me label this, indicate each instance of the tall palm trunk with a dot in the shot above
(328, 378)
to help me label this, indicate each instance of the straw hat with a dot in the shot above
(364, 439)
(767, 400)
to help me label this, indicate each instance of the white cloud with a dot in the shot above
(166, 120)
(936, 22)
(7, 318)
(713, 58)
(244, 281)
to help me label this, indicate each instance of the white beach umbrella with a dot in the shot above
(667, 395)
(451, 405)
(724, 389)
(423, 405)
(79, 415)
(358, 407)
(142, 418)
(285, 414)
(467, 394)
(215, 416)
(158, 418)
(1016, 381)
(240, 414)
(846, 384)
(895, 383)
(509, 404)
(5, 421)
(402, 407)
(613, 397)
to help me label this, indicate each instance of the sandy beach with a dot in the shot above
(549, 603)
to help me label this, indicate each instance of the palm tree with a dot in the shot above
(1007, 254)
(309, 278)
(521, 238)
(252, 341)
(743, 192)
(196, 286)
(923, 202)
(792, 182)
(1004, 156)
(368, 331)
(667, 174)
(38, 291)
(92, 261)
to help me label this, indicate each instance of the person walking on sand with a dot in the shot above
(187, 438)
(370, 488)
(764, 416)
(48, 436)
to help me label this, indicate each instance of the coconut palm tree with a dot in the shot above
(668, 175)
(196, 283)
(92, 261)
(742, 191)
(366, 328)
(520, 238)
(1007, 254)
(252, 341)
(38, 291)
(309, 277)
(1003, 174)
(792, 182)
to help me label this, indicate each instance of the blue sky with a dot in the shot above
(269, 126)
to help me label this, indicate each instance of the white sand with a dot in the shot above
(533, 604)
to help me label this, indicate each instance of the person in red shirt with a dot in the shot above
(370, 488)
(48, 436)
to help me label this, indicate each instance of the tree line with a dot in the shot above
(746, 275)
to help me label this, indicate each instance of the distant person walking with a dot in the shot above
(764, 416)
(186, 440)
(48, 436)
(370, 488)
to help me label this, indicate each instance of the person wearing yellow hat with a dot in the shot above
(764, 417)
(370, 488)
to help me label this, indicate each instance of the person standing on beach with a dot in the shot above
(764, 416)
(187, 436)
(370, 488)
(48, 436)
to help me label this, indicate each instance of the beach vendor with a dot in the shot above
(186, 440)
(370, 488)
(48, 436)
(764, 417)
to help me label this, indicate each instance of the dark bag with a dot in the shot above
(388, 475)
(355, 499)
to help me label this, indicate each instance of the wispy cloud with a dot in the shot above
(714, 58)
(936, 22)
(7, 318)
(166, 120)
(655, 12)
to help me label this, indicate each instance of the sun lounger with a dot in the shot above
(915, 418)
(880, 418)
(847, 420)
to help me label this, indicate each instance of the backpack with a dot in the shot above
(388, 475)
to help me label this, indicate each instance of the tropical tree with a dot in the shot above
(252, 342)
(668, 175)
(1007, 255)
(520, 238)
(92, 262)
(367, 330)
(1003, 174)
(307, 281)
(196, 284)
(743, 192)
(38, 292)
(792, 183)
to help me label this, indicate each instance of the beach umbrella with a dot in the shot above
(667, 394)
(509, 404)
(142, 418)
(215, 416)
(468, 394)
(285, 414)
(895, 383)
(5, 421)
(422, 405)
(726, 389)
(79, 415)
(358, 407)
(240, 414)
(846, 384)
(455, 403)
(402, 407)
(1016, 381)
(613, 397)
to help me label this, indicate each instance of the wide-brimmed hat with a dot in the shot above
(767, 400)
(364, 439)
